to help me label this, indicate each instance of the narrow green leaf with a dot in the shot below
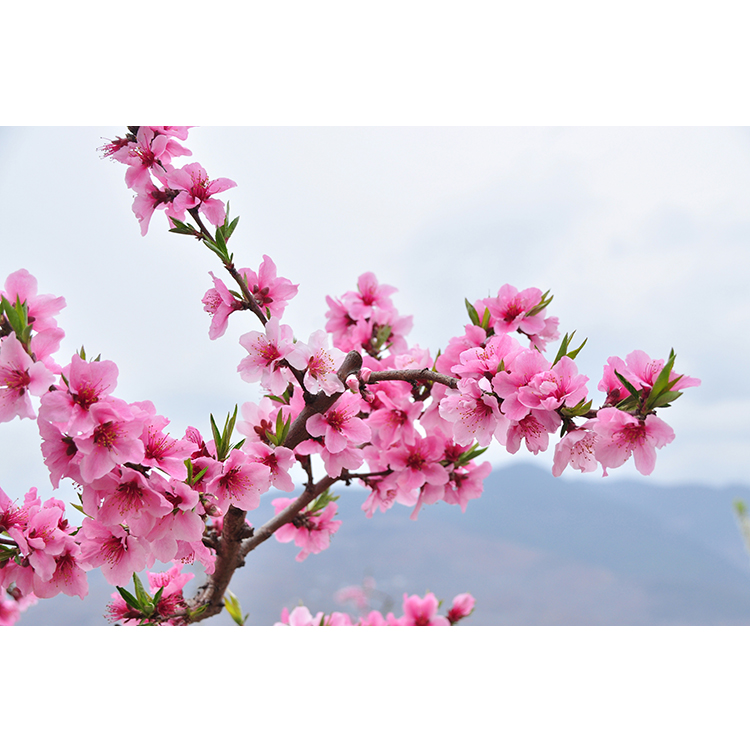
(142, 595)
(473, 314)
(631, 388)
(130, 600)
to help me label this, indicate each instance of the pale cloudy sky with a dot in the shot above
(642, 235)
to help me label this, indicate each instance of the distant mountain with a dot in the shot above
(533, 550)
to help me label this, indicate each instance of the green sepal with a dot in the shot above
(473, 314)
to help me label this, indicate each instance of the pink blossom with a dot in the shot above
(279, 461)
(622, 434)
(197, 190)
(509, 384)
(393, 418)
(219, 303)
(114, 439)
(418, 462)
(559, 386)
(164, 452)
(535, 429)
(340, 426)
(113, 548)
(266, 353)
(151, 152)
(466, 483)
(241, 483)
(474, 412)
(148, 198)
(270, 291)
(22, 286)
(422, 611)
(510, 310)
(310, 531)
(132, 501)
(462, 606)
(19, 377)
(320, 364)
(577, 449)
(68, 577)
(88, 383)
(484, 361)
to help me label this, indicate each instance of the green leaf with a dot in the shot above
(142, 595)
(485, 318)
(575, 352)
(232, 604)
(473, 314)
(130, 600)
(229, 231)
(631, 388)
(538, 308)
(563, 350)
(157, 597)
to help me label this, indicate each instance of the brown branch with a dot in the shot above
(228, 559)
(414, 376)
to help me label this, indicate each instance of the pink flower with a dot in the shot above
(418, 463)
(114, 440)
(320, 364)
(20, 376)
(535, 429)
(21, 286)
(197, 190)
(241, 483)
(621, 434)
(270, 291)
(462, 606)
(219, 303)
(510, 310)
(422, 611)
(278, 460)
(113, 548)
(339, 426)
(148, 198)
(475, 414)
(310, 531)
(152, 152)
(561, 385)
(577, 449)
(88, 383)
(266, 353)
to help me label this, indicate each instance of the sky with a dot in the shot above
(641, 234)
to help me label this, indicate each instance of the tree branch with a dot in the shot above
(414, 376)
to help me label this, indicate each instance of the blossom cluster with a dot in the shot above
(416, 611)
(148, 154)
